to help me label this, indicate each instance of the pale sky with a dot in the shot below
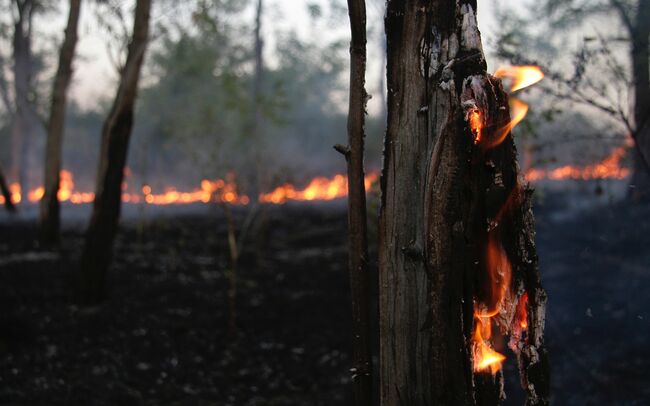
(94, 75)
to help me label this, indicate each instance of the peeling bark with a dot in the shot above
(444, 198)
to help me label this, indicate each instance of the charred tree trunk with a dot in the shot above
(451, 197)
(97, 252)
(49, 216)
(640, 50)
(357, 221)
(4, 190)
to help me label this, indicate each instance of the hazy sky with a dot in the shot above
(94, 74)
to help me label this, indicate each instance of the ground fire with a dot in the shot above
(319, 188)
(220, 190)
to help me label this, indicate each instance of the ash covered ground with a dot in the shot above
(161, 338)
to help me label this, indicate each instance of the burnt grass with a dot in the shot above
(161, 337)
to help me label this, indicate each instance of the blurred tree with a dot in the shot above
(22, 109)
(49, 214)
(613, 83)
(199, 111)
(200, 98)
(97, 251)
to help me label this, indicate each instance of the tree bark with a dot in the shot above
(640, 56)
(357, 221)
(116, 132)
(49, 214)
(446, 196)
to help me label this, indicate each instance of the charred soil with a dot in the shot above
(161, 337)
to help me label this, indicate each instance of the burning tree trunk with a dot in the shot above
(357, 222)
(457, 254)
(116, 132)
(50, 202)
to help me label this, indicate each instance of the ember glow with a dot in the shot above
(476, 125)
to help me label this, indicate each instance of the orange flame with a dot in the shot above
(521, 314)
(499, 273)
(521, 76)
(608, 168)
(220, 190)
(518, 111)
(485, 358)
(319, 188)
(476, 125)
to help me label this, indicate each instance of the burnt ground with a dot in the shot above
(161, 338)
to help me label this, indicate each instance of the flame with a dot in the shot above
(319, 188)
(499, 273)
(221, 190)
(484, 356)
(608, 168)
(476, 125)
(518, 111)
(521, 76)
(521, 314)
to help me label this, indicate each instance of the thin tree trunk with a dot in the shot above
(49, 215)
(97, 252)
(357, 221)
(447, 198)
(260, 181)
(640, 55)
(257, 116)
(6, 194)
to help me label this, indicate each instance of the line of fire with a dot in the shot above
(324, 202)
